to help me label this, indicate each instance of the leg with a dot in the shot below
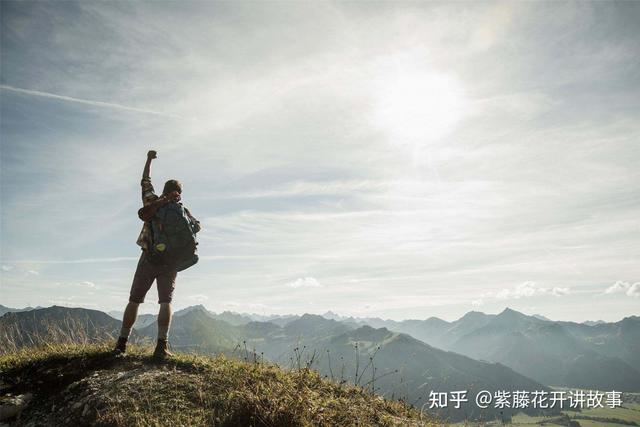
(129, 318)
(142, 281)
(164, 320)
(166, 285)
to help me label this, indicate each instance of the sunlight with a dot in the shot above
(417, 107)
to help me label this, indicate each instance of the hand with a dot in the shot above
(151, 154)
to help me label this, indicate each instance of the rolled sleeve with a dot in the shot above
(148, 192)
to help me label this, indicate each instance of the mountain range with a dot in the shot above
(407, 360)
(555, 353)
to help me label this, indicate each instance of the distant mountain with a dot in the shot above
(55, 324)
(198, 307)
(420, 369)
(330, 343)
(141, 321)
(196, 329)
(593, 322)
(4, 310)
(555, 353)
(433, 331)
(233, 318)
(620, 339)
(605, 355)
(333, 316)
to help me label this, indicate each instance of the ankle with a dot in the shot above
(125, 332)
(163, 332)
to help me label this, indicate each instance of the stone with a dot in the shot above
(12, 407)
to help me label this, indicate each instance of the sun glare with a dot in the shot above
(419, 107)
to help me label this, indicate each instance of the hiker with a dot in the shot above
(168, 245)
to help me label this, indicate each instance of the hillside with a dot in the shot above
(54, 325)
(552, 353)
(87, 385)
(419, 369)
(5, 309)
(405, 368)
(555, 353)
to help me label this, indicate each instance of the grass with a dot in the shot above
(86, 384)
(628, 414)
(624, 413)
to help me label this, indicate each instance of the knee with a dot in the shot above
(132, 306)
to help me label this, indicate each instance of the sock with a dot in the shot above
(163, 332)
(125, 332)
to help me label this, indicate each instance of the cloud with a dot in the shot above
(84, 101)
(200, 298)
(7, 267)
(245, 306)
(477, 303)
(556, 291)
(32, 273)
(629, 289)
(526, 289)
(72, 301)
(306, 282)
(70, 261)
(530, 289)
(88, 284)
(538, 182)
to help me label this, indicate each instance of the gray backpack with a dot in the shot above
(174, 237)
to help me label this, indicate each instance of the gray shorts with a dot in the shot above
(146, 273)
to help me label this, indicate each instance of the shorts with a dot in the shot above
(146, 273)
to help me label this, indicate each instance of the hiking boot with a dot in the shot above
(121, 345)
(161, 351)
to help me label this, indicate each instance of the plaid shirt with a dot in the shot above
(148, 196)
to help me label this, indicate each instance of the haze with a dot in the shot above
(401, 160)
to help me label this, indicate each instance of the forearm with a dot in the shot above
(146, 173)
(147, 212)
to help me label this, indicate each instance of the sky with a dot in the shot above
(391, 159)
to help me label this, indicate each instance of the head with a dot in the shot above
(172, 185)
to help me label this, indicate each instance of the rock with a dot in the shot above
(14, 406)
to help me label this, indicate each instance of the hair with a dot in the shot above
(172, 185)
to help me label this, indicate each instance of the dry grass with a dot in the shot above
(86, 384)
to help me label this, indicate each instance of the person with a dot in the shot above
(149, 268)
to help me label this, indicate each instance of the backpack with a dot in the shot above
(174, 239)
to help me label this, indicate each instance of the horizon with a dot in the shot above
(341, 317)
(340, 156)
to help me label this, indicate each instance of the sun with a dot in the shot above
(417, 106)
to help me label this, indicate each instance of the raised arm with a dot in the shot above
(148, 193)
(146, 173)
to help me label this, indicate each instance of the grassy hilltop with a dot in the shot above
(86, 385)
